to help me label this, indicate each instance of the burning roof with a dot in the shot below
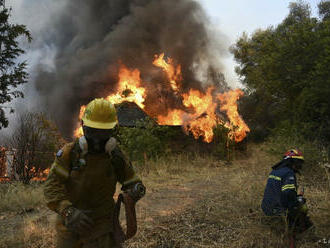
(129, 113)
(194, 109)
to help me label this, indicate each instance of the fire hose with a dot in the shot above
(129, 199)
(131, 223)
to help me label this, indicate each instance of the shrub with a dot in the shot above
(146, 140)
(223, 145)
(34, 140)
(288, 136)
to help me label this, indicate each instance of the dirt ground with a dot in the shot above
(196, 202)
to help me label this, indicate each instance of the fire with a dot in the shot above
(175, 118)
(79, 131)
(204, 119)
(3, 174)
(39, 175)
(36, 174)
(198, 110)
(129, 88)
(229, 100)
(173, 74)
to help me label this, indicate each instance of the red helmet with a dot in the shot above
(294, 153)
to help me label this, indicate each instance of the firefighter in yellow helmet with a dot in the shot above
(83, 178)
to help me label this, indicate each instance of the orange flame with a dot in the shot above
(129, 88)
(204, 119)
(229, 100)
(40, 175)
(78, 132)
(173, 74)
(198, 113)
(174, 117)
(201, 120)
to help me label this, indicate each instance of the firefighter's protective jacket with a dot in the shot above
(87, 182)
(281, 192)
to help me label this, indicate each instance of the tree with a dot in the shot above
(324, 9)
(286, 71)
(34, 140)
(12, 73)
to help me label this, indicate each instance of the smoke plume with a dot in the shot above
(91, 38)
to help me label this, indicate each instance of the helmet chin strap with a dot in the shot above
(109, 146)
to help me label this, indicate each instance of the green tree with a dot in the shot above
(324, 9)
(286, 72)
(12, 73)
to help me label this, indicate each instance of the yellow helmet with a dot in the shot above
(100, 114)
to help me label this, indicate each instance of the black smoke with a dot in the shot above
(92, 37)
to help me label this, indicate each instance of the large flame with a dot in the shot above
(204, 119)
(229, 104)
(129, 88)
(173, 73)
(197, 113)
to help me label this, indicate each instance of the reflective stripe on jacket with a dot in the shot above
(281, 192)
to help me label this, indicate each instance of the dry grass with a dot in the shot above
(190, 202)
(16, 196)
(226, 208)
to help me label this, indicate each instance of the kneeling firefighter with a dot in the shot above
(281, 197)
(82, 182)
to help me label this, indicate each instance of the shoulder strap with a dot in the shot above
(75, 156)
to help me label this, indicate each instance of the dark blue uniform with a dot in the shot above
(280, 193)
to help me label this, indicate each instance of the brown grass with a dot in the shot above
(190, 202)
(16, 196)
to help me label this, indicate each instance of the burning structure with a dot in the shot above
(162, 55)
(195, 110)
(129, 113)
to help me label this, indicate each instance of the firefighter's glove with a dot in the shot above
(301, 199)
(136, 191)
(76, 220)
(302, 207)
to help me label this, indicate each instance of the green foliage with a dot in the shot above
(147, 140)
(223, 145)
(12, 74)
(286, 136)
(324, 9)
(286, 72)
